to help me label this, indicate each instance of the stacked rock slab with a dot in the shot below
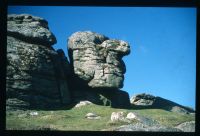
(98, 68)
(36, 73)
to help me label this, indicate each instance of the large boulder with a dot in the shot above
(97, 60)
(98, 68)
(36, 73)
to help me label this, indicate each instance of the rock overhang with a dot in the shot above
(98, 59)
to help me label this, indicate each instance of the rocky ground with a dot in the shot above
(91, 117)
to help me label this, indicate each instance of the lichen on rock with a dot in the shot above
(98, 60)
(30, 28)
(36, 73)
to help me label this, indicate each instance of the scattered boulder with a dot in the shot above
(92, 116)
(83, 103)
(36, 73)
(33, 113)
(139, 123)
(131, 116)
(187, 126)
(117, 116)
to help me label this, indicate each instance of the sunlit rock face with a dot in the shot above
(97, 60)
(31, 28)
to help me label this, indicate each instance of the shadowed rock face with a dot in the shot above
(36, 73)
(98, 60)
(30, 28)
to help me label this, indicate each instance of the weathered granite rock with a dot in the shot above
(92, 116)
(30, 28)
(117, 116)
(97, 67)
(36, 73)
(143, 99)
(137, 122)
(131, 116)
(147, 100)
(187, 126)
(142, 127)
(97, 60)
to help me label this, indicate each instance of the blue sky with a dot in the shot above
(162, 39)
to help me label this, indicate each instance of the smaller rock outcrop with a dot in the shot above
(143, 99)
(150, 101)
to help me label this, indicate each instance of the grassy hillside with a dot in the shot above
(74, 119)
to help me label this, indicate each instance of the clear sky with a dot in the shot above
(162, 61)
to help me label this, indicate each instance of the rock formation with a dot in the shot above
(36, 73)
(97, 66)
(98, 60)
(40, 77)
(143, 99)
(150, 101)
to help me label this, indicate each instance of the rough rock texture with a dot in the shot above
(151, 101)
(31, 28)
(143, 99)
(138, 122)
(36, 73)
(143, 127)
(117, 116)
(97, 67)
(97, 60)
(131, 116)
(187, 126)
(38, 76)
